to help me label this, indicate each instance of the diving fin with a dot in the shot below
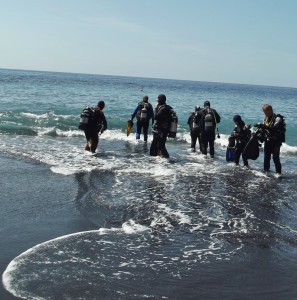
(129, 127)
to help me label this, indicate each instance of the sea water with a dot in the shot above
(185, 228)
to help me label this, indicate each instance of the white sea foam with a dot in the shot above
(288, 150)
(119, 135)
(126, 245)
(34, 116)
(182, 217)
(51, 131)
(130, 227)
(222, 141)
(46, 116)
(63, 152)
(70, 133)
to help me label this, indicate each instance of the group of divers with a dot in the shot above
(202, 124)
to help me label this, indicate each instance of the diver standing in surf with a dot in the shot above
(161, 127)
(240, 137)
(276, 128)
(144, 112)
(194, 126)
(96, 124)
(209, 118)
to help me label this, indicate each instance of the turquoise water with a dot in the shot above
(187, 227)
(52, 97)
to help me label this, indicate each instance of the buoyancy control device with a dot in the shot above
(85, 117)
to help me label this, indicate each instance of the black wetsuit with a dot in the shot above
(161, 130)
(241, 134)
(273, 142)
(143, 124)
(207, 133)
(93, 129)
(194, 131)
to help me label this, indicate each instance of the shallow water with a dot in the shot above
(179, 225)
(122, 224)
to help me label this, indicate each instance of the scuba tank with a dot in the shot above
(85, 118)
(173, 124)
(194, 124)
(143, 113)
(208, 120)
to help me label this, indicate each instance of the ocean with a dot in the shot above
(123, 225)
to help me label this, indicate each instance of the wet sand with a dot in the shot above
(36, 205)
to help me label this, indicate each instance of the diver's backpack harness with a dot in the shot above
(210, 121)
(86, 117)
(282, 131)
(143, 112)
(196, 120)
(279, 132)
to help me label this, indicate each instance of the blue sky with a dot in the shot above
(236, 41)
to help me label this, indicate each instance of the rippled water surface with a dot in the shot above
(123, 225)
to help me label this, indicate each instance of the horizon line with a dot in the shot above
(82, 73)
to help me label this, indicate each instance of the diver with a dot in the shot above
(96, 124)
(209, 118)
(161, 127)
(194, 123)
(239, 137)
(275, 126)
(144, 112)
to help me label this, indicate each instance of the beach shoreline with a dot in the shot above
(37, 205)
